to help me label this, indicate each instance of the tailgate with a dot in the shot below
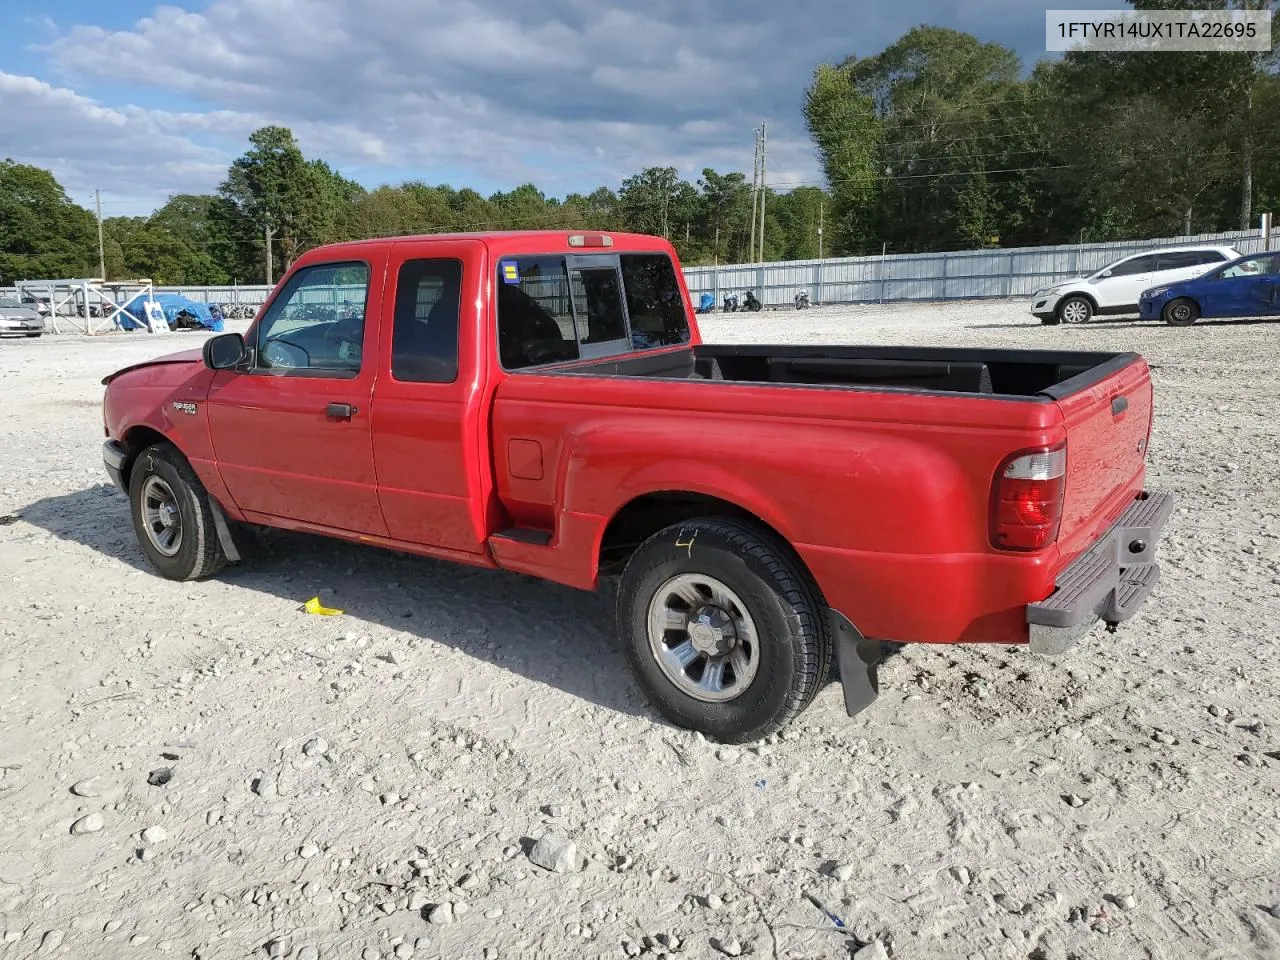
(1108, 424)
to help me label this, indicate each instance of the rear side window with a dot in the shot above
(1188, 258)
(654, 302)
(424, 339)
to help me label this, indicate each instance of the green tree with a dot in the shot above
(726, 201)
(274, 187)
(43, 234)
(842, 122)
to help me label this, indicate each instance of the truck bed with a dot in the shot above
(876, 463)
(1046, 374)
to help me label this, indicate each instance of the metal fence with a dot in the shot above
(960, 275)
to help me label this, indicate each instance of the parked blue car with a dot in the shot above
(1246, 287)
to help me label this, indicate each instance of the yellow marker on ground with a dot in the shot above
(314, 606)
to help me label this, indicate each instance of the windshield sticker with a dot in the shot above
(510, 271)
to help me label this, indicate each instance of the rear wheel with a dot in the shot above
(1075, 310)
(1181, 312)
(723, 628)
(173, 516)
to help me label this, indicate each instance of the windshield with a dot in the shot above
(10, 303)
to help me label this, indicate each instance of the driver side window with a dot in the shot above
(315, 327)
(1255, 267)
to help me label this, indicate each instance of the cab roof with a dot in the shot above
(502, 241)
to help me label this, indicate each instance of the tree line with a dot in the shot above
(938, 142)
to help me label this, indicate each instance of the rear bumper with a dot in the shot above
(113, 458)
(1106, 583)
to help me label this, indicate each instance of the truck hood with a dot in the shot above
(184, 356)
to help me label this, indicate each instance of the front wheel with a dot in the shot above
(1181, 312)
(173, 516)
(1075, 310)
(723, 628)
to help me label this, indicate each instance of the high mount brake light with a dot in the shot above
(1026, 499)
(590, 240)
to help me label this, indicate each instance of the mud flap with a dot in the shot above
(225, 536)
(858, 659)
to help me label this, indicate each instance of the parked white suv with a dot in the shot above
(1117, 287)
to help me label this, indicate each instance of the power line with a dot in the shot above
(930, 176)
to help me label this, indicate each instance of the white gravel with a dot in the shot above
(940, 823)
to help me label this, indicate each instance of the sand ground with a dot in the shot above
(325, 786)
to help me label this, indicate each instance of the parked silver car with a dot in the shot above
(17, 318)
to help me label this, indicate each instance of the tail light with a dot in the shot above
(1026, 499)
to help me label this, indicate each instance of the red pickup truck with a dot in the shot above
(542, 402)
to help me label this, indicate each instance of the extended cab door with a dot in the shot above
(429, 418)
(291, 433)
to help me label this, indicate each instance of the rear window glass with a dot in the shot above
(550, 312)
(658, 317)
(535, 312)
(597, 303)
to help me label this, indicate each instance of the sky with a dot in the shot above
(143, 101)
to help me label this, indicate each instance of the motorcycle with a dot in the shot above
(802, 300)
(730, 303)
(749, 302)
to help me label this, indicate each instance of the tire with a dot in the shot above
(763, 592)
(163, 492)
(1075, 310)
(1182, 312)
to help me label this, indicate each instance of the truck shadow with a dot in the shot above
(545, 632)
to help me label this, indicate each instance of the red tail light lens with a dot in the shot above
(1026, 499)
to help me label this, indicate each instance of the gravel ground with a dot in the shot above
(205, 771)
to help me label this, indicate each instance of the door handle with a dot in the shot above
(339, 411)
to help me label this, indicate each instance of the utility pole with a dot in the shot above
(755, 185)
(267, 229)
(821, 205)
(763, 189)
(102, 258)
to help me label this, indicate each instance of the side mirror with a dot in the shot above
(1105, 274)
(224, 351)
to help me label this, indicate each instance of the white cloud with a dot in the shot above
(125, 151)
(568, 94)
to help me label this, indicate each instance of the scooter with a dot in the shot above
(802, 300)
(749, 302)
